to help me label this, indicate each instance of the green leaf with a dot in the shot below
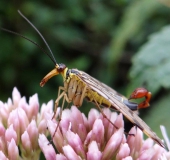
(151, 64)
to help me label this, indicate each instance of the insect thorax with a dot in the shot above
(74, 87)
(77, 90)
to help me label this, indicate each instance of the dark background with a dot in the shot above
(102, 38)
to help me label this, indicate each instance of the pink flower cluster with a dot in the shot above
(20, 127)
(94, 138)
(23, 134)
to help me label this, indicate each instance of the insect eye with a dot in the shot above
(61, 67)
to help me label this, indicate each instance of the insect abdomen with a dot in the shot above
(96, 98)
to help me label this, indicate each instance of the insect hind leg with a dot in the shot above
(128, 134)
(104, 114)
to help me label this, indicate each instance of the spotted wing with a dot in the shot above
(110, 94)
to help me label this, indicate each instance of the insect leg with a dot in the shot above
(129, 134)
(65, 98)
(82, 96)
(61, 111)
(104, 114)
(60, 89)
(58, 99)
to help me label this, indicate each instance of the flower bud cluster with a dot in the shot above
(24, 128)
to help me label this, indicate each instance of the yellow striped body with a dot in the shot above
(74, 87)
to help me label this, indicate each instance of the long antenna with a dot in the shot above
(49, 55)
(52, 55)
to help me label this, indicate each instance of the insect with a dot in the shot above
(78, 86)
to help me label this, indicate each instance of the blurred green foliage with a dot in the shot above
(103, 38)
(154, 60)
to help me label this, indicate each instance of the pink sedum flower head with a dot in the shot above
(94, 138)
(23, 134)
(20, 126)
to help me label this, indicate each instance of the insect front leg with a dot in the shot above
(60, 89)
(65, 98)
(60, 95)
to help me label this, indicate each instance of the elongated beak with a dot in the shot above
(54, 72)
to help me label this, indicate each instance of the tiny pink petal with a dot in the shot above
(113, 144)
(60, 157)
(92, 116)
(82, 132)
(165, 155)
(2, 156)
(147, 154)
(26, 143)
(70, 153)
(65, 121)
(110, 129)
(76, 119)
(124, 139)
(3, 145)
(88, 138)
(123, 152)
(46, 109)
(19, 120)
(158, 151)
(119, 121)
(23, 119)
(23, 104)
(47, 116)
(16, 96)
(66, 115)
(147, 144)
(106, 123)
(9, 103)
(42, 127)
(4, 112)
(86, 124)
(79, 126)
(13, 152)
(64, 124)
(135, 142)
(75, 142)
(2, 130)
(93, 152)
(33, 134)
(46, 148)
(33, 107)
(14, 120)
(98, 132)
(58, 139)
(128, 158)
(10, 134)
